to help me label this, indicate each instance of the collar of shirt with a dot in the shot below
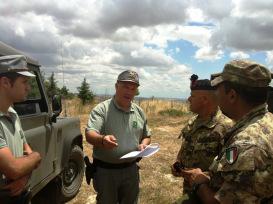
(119, 108)
(209, 123)
(259, 110)
(10, 112)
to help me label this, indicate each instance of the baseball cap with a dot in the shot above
(130, 76)
(243, 72)
(201, 84)
(15, 63)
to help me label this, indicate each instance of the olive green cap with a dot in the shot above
(129, 76)
(243, 72)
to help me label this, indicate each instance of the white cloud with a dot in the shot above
(249, 27)
(239, 55)
(19, 32)
(207, 53)
(269, 58)
(99, 39)
(214, 10)
(145, 13)
(195, 14)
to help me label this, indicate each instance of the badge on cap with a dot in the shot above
(232, 154)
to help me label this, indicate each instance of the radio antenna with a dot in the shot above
(65, 113)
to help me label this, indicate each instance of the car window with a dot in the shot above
(34, 92)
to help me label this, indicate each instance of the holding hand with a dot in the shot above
(176, 168)
(141, 147)
(193, 176)
(109, 142)
(16, 187)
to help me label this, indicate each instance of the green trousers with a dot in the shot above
(117, 186)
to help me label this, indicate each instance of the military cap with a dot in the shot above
(15, 63)
(243, 72)
(203, 84)
(130, 76)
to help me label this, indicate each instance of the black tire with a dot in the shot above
(72, 175)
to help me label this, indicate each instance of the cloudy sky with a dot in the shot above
(165, 41)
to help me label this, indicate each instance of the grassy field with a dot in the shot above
(157, 184)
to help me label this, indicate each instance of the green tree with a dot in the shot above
(34, 91)
(51, 86)
(66, 94)
(85, 94)
(64, 91)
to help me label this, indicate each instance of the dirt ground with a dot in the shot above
(157, 185)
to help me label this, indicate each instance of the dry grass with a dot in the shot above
(157, 185)
(153, 106)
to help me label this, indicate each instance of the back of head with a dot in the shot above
(203, 100)
(203, 84)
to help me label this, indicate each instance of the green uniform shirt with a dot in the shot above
(243, 171)
(129, 128)
(202, 140)
(11, 135)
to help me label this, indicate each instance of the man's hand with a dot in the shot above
(109, 142)
(35, 156)
(141, 147)
(176, 170)
(194, 176)
(18, 186)
(16, 167)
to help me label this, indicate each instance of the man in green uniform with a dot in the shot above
(243, 170)
(202, 137)
(17, 160)
(115, 127)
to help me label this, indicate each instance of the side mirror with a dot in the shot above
(56, 107)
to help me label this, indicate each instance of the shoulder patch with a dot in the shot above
(232, 154)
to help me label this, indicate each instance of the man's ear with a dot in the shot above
(5, 82)
(232, 96)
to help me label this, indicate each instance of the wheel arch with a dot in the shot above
(69, 143)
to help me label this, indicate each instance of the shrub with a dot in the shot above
(172, 112)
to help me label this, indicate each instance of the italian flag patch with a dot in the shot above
(231, 154)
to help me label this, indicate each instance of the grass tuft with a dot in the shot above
(172, 112)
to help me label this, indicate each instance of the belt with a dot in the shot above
(107, 165)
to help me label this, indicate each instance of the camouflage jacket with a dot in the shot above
(243, 171)
(201, 140)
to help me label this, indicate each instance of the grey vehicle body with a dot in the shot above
(57, 139)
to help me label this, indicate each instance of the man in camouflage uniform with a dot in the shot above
(203, 135)
(243, 170)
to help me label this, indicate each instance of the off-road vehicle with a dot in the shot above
(57, 139)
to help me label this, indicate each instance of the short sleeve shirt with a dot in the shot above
(243, 171)
(129, 128)
(11, 134)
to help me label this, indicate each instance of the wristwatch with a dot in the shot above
(196, 186)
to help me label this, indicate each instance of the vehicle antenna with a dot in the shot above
(64, 101)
